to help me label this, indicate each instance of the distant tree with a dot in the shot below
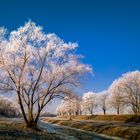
(101, 100)
(8, 108)
(116, 97)
(89, 102)
(69, 106)
(59, 110)
(37, 67)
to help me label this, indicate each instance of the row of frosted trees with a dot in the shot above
(122, 97)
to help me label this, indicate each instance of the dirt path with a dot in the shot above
(71, 133)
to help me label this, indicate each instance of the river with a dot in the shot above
(67, 133)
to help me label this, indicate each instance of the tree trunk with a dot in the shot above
(70, 117)
(91, 112)
(118, 112)
(32, 124)
(104, 111)
(22, 108)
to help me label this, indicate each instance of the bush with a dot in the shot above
(8, 108)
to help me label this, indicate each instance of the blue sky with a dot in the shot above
(107, 31)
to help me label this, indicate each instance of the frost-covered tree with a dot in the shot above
(8, 108)
(37, 67)
(69, 106)
(59, 110)
(89, 102)
(101, 100)
(116, 97)
(129, 86)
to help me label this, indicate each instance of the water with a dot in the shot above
(71, 133)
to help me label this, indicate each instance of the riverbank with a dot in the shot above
(68, 133)
(14, 129)
(123, 126)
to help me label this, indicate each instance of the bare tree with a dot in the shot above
(37, 67)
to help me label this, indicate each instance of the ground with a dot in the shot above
(95, 127)
(12, 129)
(123, 126)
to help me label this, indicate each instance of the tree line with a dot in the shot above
(122, 97)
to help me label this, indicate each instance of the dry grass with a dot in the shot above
(17, 131)
(124, 126)
(113, 118)
(131, 133)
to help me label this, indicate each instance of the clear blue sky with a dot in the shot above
(107, 31)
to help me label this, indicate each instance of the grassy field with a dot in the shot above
(111, 118)
(14, 130)
(124, 126)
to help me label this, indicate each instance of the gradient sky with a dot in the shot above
(107, 31)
